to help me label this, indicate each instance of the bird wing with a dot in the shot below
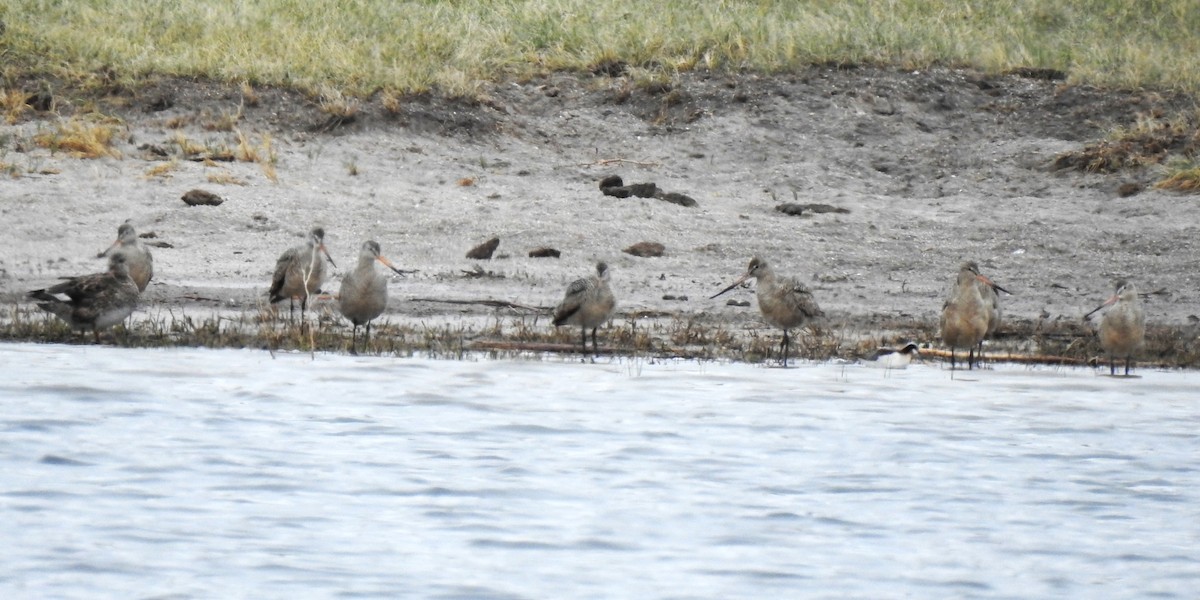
(83, 286)
(571, 301)
(800, 298)
(281, 269)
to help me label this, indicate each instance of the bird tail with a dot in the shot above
(560, 317)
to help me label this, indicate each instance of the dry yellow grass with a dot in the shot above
(12, 104)
(1184, 178)
(225, 178)
(80, 138)
(162, 170)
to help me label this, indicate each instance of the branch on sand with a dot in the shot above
(491, 303)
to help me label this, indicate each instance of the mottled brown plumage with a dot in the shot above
(97, 301)
(1123, 327)
(588, 303)
(300, 271)
(784, 302)
(966, 313)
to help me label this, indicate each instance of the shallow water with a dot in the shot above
(219, 473)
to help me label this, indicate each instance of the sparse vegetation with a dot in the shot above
(13, 104)
(80, 137)
(1153, 139)
(1182, 175)
(451, 47)
(1069, 341)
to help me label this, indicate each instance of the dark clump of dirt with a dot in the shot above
(545, 252)
(646, 249)
(614, 186)
(199, 197)
(484, 251)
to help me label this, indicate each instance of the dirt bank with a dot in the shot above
(932, 168)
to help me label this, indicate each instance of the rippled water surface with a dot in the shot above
(227, 474)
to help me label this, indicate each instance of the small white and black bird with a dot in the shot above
(893, 358)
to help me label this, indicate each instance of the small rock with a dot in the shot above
(544, 252)
(611, 181)
(198, 197)
(484, 251)
(617, 191)
(674, 297)
(646, 249)
(738, 303)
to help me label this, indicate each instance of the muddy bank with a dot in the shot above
(924, 169)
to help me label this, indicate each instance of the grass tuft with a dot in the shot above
(81, 138)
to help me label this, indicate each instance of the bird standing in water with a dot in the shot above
(97, 301)
(990, 292)
(588, 303)
(300, 271)
(965, 314)
(784, 302)
(1123, 327)
(363, 294)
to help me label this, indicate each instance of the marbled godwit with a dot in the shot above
(363, 294)
(965, 314)
(1123, 328)
(893, 358)
(588, 303)
(300, 271)
(98, 301)
(990, 292)
(141, 264)
(784, 302)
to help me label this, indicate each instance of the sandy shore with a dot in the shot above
(933, 168)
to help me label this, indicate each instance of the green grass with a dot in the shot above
(454, 47)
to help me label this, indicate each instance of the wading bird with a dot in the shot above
(784, 302)
(97, 301)
(141, 264)
(1123, 327)
(966, 313)
(588, 303)
(363, 294)
(300, 271)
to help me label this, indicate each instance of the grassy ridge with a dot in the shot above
(361, 46)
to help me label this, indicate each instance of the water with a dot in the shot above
(234, 474)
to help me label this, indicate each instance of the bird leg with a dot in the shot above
(785, 348)
(353, 338)
(595, 344)
(367, 337)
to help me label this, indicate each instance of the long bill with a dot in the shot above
(993, 284)
(740, 281)
(107, 251)
(1108, 302)
(389, 264)
(322, 246)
